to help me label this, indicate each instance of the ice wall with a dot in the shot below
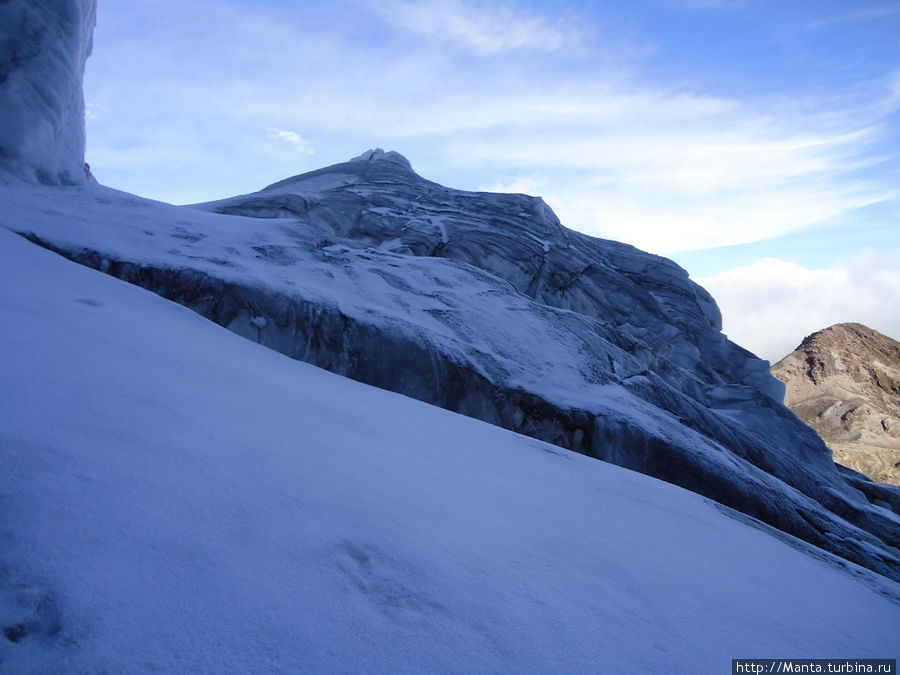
(43, 48)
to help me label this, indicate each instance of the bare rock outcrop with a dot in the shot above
(844, 382)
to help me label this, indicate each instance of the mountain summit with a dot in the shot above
(379, 155)
(844, 381)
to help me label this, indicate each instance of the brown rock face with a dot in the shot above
(844, 382)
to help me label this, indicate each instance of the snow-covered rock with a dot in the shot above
(43, 48)
(378, 200)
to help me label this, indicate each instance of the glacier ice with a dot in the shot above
(372, 272)
(480, 303)
(43, 48)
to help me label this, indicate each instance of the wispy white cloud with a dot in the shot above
(94, 111)
(293, 139)
(891, 101)
(483, 27)
(859, 14)
(693, 178)
(615, 151)
(772, 304)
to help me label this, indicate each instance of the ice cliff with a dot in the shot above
(483, 304)
(43, 48)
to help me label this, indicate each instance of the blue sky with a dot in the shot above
(754, 142)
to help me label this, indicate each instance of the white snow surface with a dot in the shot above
(43, 48)
(176, 498)
(472, 316)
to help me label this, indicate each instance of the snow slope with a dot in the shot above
(480, 303)
(600, 365)
(175, 498)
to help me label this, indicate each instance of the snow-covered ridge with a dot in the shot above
(43, 48)
(482, 304)
(633, 370)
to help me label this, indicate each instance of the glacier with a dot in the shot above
(484, 304)
(178, 498)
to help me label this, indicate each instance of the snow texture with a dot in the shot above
(43, 48)
(451, 297)
(175, 498)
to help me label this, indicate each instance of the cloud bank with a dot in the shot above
(770, 306)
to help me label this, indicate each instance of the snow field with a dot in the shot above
(176, 498)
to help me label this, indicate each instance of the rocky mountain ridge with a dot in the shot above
(844, 381)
